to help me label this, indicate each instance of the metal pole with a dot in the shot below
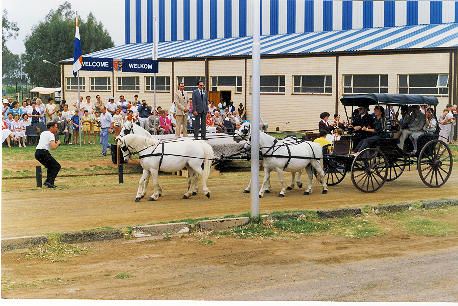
(155, 52)
(79, 124)
(255, 117)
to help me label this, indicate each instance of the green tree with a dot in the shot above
(11, 64)
(53, 39)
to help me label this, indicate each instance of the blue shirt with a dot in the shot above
(105, 120)
(144, 111)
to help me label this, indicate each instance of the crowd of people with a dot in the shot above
(407, 122)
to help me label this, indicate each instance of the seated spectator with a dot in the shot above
(209, 120)
(9, 120)
(7, 134)
(236, 117)
(228, 124)
(377, 131)
(35, 114)
(337, 134)
(165, 122)
(41, 108)
(324, 125)
(16, 110)
(24, 108)
(212, 108)
(26, 121)
(154, 125)
(219, 124)
(18, 130)
(231, 107)
(241, 111)
(431, 123)
(5, 109)
(63, 127)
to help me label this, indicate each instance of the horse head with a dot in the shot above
(126, 152)
(127, 128)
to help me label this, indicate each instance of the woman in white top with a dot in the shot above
(18, 130)
(51, 110)
(41, 108)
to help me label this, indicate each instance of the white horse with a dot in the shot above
(280, 156)
(295, 176)
(129, 127)
(168, 157)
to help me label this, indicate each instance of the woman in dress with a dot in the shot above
(18, 130)
(445, 124)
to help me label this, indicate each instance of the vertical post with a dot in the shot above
(155, 53)
(255, 117)
(79, 124)
(120, 174)
(38, 175)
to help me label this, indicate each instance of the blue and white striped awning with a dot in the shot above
(390, 38)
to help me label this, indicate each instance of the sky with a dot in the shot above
(28, 13)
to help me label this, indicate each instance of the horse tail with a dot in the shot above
(208, 158)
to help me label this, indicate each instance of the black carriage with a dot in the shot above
(385, 161)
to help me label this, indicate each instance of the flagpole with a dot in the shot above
(79, 124)
(255, 109)
(155, 52)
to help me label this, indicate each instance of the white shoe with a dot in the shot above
(20, 146)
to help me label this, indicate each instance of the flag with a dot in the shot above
(77, 54)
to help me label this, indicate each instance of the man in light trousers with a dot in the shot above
(106, 123)
(181, 105)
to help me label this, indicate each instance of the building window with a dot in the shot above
(101, 84)
(72, 83)
(272, 83)
(312, 84)
(365, 83)
(190, 82)
(128, 83)
(423, 84)
(162, 83)
(234, 81)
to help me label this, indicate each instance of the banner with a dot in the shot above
(97, 64)
(139, 65)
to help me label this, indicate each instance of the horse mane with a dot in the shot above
(139, 141)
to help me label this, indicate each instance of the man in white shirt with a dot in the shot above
(46, 142)
(111, 106)
(107, 124)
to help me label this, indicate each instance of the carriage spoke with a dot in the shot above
(372, 182)
(435, 174)
(427, 174)
(440, 174)
(361, 179)
(440, 168)
(359, 174)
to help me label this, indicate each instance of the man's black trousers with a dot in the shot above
(200, 123)
(46, 159)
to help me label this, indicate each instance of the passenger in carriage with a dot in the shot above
(377, 131)
(338, 123)
(324, 125)
(412, 125)
(431, 123)
(361, 122)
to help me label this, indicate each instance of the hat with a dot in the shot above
(111, 98)
(5, 100)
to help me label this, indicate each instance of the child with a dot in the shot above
(18, 130)
(75, 127)
(96, 125)
(86, 121)
(118, 120)
(322, 139)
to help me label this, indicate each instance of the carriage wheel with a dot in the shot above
(396, 165)
(435, 163)
(369, 170)
(334, 171)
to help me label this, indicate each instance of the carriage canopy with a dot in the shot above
(388, 99)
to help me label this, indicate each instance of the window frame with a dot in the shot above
(437, 86)
(312, 93)
(91, 85)
(152, 83)
(270, 92)
(123, 77)
(75, 86)
(192, 87)
(214, 86)
(380, 87)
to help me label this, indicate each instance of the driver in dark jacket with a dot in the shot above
(360, 123)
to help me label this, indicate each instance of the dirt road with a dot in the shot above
(99, 201)
(393, 267)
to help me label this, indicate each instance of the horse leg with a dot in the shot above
(141, 185)
(265, 181)
(282, 181)
(298, 179)
(310, 176)
(145, 184)
(191, 183)
(317, 165)
(291, 186)
(155, 195)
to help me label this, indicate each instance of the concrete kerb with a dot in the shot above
(174, 229)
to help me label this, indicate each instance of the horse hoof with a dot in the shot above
(194, 193)
(142, 196)
(306, 193)
(267, 191)
(299, 185)
(281, 195)
(260, 196)
(160, 195)
(185, 197)
(151, 199)
(324, 192)
(137, 199)
(207, 195)
(246, 191)
(289, 188)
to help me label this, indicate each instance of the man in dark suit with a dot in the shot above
(199, 110)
